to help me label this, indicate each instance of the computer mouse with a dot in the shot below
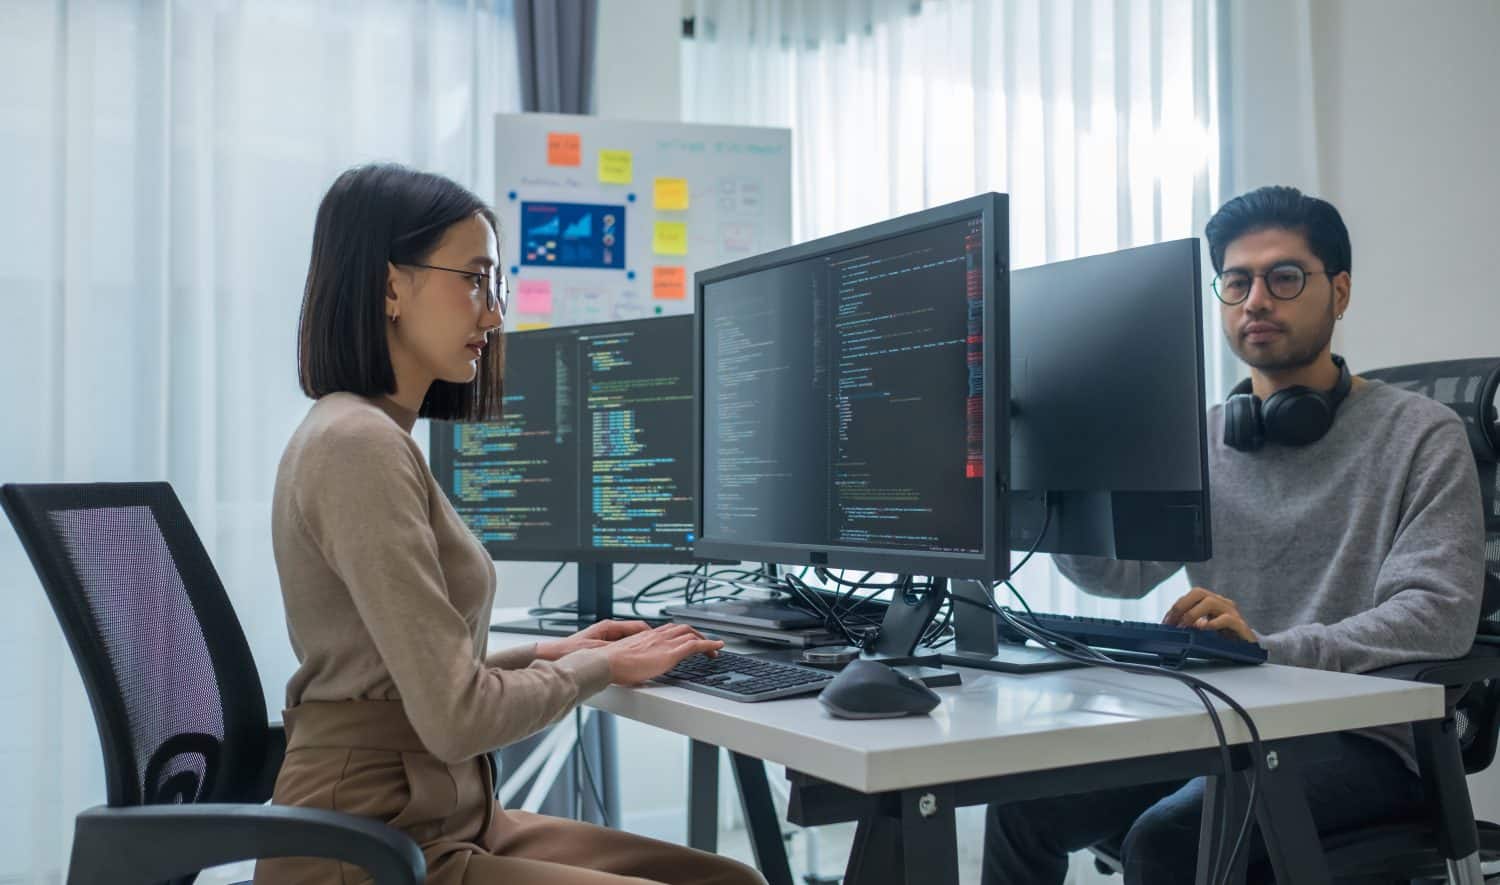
(872, 690)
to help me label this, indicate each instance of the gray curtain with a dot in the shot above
(555, 43)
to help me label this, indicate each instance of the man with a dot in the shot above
(1345, 544)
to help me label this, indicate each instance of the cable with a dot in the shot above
(588, 773)
(1076, 651)
(548, 583)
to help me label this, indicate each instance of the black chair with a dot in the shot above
(188, 754)
(1445, 842)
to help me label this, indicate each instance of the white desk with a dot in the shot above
(1000, 736)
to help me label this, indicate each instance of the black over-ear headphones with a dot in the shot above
(1296, 416)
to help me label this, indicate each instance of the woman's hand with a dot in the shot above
(595, 635)
(649, 653)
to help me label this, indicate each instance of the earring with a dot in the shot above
(1339, 317)
(394, 319)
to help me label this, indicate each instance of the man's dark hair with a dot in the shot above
(1288, 209)
(373, 215)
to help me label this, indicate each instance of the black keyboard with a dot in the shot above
(1174, 645)
(745, 678)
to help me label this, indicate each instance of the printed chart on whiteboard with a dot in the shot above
(604, 220)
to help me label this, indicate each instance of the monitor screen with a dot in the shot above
(593, 458)
(846, 397)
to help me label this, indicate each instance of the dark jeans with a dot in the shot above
(1027, 843)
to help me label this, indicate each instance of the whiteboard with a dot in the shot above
(604, 220)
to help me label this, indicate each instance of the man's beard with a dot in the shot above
(1298, 352)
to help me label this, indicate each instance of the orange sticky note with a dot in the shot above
(564, 149)
(531, 327)
(669, 281)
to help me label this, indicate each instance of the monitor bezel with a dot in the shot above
(993, 561)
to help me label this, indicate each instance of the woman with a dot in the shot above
(388, 594)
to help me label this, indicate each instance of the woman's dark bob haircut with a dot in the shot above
(373, 215)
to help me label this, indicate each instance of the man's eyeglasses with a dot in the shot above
(1284, 281)
(495, 287)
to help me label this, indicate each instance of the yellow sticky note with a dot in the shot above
(614, 167)
(527, 327)
(668, 282)
(670, 238)
(670, 194)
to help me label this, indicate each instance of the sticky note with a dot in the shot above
(564, 149)
(615, 167)
(669, 281)
(670, 194)
(530, 327)
(670, 238)
(534, 296)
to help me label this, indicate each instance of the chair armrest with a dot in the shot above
(1478, 665)
(153, 843)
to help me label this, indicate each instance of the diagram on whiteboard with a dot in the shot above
(607, 220)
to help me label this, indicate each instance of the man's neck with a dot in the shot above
(1320, 374)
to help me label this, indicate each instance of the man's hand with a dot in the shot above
(1206, 610)
(593, 636)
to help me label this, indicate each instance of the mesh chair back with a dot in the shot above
(1472, 389)
(175, 693)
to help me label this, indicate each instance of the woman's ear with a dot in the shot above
(397, 290)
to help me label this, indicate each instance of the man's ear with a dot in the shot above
(1341, 292)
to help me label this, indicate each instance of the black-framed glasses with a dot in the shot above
(494, 285)
(1284, 281)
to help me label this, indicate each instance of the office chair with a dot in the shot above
(1446, 843)
(189, 757)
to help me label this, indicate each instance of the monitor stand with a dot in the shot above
(596, 602)
(902, 627)
(977, 643)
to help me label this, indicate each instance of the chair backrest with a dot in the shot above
(175, 693)
(1471, 388)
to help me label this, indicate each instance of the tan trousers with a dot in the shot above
(362, 757)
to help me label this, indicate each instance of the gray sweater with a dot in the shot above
(1362, 550)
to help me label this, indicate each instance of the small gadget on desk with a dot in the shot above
(871, 690)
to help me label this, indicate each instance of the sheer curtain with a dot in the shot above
(1099, 118)
(162, 163)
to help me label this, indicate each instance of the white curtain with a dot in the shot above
(1099, 119)
(162, 163)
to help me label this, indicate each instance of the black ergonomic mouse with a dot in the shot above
(872, 690)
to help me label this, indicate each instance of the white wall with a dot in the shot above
(1407, 124)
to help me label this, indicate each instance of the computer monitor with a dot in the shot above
(1108, 427)
(592, 461)
(848, 395)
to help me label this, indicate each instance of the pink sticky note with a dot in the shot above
(534, 296)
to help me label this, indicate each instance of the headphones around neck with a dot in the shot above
(1295, 416)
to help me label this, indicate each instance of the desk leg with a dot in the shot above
(1286, 822)
(929, 836)
(703, 796)
(875, 856)
(761, 819)
(1235, 794)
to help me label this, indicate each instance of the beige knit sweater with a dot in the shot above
(388, 593)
